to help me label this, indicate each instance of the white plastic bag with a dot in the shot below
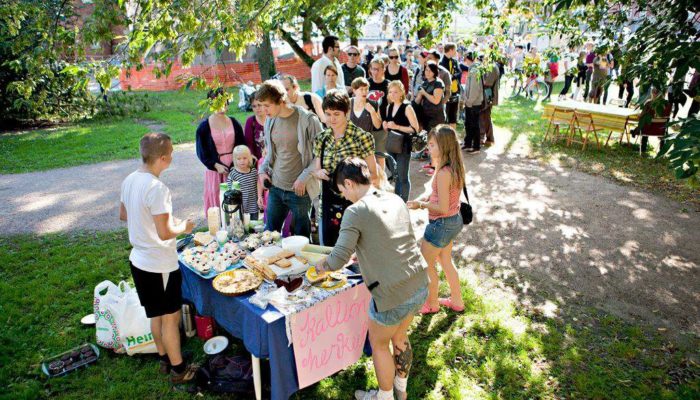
(121, 322)
(105, 324)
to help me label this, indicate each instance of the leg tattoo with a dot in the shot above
(403, 359)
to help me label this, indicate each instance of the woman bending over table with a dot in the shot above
(377, 227)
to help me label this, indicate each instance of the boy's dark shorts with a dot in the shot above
(154, 298)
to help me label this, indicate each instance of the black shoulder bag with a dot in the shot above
(465, 209)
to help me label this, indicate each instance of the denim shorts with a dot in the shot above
(441, 231)
(397, 314)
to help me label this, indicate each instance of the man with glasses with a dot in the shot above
(351, 69)
(331, 52)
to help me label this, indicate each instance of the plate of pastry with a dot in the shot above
(236, 282)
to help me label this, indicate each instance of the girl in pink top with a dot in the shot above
(443, 213)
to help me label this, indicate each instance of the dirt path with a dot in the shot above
(561, 235)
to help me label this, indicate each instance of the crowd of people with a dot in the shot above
(321, 156)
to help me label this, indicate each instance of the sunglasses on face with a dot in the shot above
(353, 54)
(393, 57)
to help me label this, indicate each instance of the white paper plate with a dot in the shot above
(215, 345)
(88, 319)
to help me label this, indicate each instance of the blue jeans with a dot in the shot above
(280, 202)
(396, 315)
(402, 183)
(441, 231)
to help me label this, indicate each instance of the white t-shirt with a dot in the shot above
(318, 72)
(144, 196)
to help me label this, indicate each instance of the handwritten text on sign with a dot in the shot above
(330, 335)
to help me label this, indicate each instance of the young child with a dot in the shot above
(443, 213)
(246, 175)
(147, 208)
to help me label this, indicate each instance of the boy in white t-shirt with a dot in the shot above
(147, 208)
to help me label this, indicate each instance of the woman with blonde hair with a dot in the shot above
(400, 118)
(445, 221)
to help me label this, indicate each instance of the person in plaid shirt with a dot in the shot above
(342, 139)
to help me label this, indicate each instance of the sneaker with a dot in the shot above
(367, 395)
(186, 376)
(473, 151)
(399, 395)
(164, 366)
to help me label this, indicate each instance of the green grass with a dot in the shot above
(622, 164)
(175, 113)
(494, 350)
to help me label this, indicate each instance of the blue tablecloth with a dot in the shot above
(263, 331)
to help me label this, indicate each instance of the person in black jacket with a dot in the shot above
(215, 139)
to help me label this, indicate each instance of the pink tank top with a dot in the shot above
(454, 197)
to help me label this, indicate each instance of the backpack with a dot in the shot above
(309, 102)
(554, 69)
(221, 374)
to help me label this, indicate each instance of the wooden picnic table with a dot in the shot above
(605, 117)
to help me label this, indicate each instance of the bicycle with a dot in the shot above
(534, 86)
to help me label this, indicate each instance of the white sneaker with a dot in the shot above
(365, 395)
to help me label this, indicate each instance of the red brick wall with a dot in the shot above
(229, 74)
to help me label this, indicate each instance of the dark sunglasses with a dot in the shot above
(353, 54)
(393, 57)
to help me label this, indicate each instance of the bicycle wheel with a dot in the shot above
(542, 90)
(513, 87)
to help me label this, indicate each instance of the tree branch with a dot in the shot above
(299, 51)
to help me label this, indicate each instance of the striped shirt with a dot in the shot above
(249, 187)
(453, 198)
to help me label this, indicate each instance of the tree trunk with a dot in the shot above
(295, 46)
(306, 29)
(266, 60)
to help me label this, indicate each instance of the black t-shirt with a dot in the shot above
(349, 74)
(382, 89)
(428, 106)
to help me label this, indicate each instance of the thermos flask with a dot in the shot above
(188, 320)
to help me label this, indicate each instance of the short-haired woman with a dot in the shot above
(342, 139)
(364, 114)
(401, 118)
(331, 82)
(430, 97)
(253, 130)
(378, 84)
(215, 139)
(378, 228)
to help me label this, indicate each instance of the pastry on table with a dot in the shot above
(283, 263)
(260, 267)
(203, 238)
(236, 282)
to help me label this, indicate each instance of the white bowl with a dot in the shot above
(215, 345)
(295, 243)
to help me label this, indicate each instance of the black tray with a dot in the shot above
(88, 353)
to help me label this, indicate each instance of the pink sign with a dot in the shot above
(330, 335)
